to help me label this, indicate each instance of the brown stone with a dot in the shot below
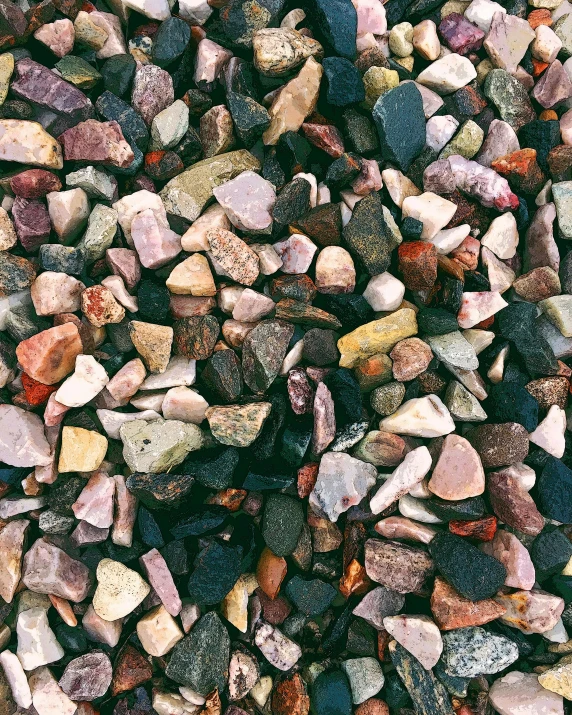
(418, 264)
(50, 355)
(131, 669)
(196, 337)
(354, 580)
(397, 566)
(290, 697)
(307, 476)
(538, 284)
(499, 444)
(270, 572)
(323, 224)
(451, 610)
(373, 706)
(410, 358)
(274, 610)
(512, 504)
(549, 391)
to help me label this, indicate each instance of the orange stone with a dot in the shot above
(538, 67)
(290, 697)
(451, 610)
(516, 163)
(270, 572)
(354, 580)
(542, 16)
(50, 356)
(480, 529)
(548, 115)
(64, 609)
(307, 476)
(131, 669)
(36, 392)
(231, 499)
(373, 706)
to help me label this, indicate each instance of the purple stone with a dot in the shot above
(32, 222)
(461, 35)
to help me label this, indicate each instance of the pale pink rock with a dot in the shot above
(482, 183)
(234, 332)
(88, 380)
(296, 252)
(410, 472)
(117, 288)
(59, 36)
(192, 276)
(125, 513)
(547, 44)
(426, 40)
(47, 696)
(108, 632)
(16, 678)
(125, 383)
(132, 204)
(508, 39)
(399, 527)
(369, 178)
(248, 201)
(115, 43)
(22, 439)
(158, 632)
(85, 534)
(124, 262)
(478, 306)
(252, 306)
(195, 237)
(459, 473)
(209, 61)
(519, 693)
(13, 506)
(152, 92)
(550, 432)
(179, 371)
(48, 473)
(501, 139)
(188, 306)
(54, 293)
(11, 547)
(370, 16)
(161, 580)
(190, 614)
(417, 634)
(514, 556)
(279, 651)
(335, 271)
(502, 236)
(566, 127)
(95, 502)
(154, 242)
(553, 87)
(439, 130)
(531, 611)
(324, 419)
(540, 247)
(184, 404)
(69, 211)
(48, 569)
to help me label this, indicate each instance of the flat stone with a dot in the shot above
(557, 680)
(22, 441)
(408, 474)
(87, 381)
(420, 417)
(48, 569)
(282, 524)
(37, 644)
(452, 611)
(159, 445)
(277, 51)
(16, 678)
(532, 611)
(524, 693)
(513, 504)
(365, 676)
(510, 98)
(458, 473)
(278, 650)
(470, 652)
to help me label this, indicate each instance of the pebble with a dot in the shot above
(119, 590)
(472, 651)
(396, 566)
(37, 644)
(531, 611)
(525, 693)
(453, 611)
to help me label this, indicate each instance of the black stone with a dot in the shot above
(400, 121)
(160, 491)
(436, 321)
(359, 132)
(62, 259)
(118, 73)
(343, 81)
(411, 228)
(198, 102)
(112, 108)
(223, 375)
(541, 136)
(154, 299)
(64, 493)
(71, 638)
(149, 530)
(295, 441)
(320, 347)
(351, 309)
(343, 171)
(271, 168)
(517, 323)
(323, 224)
(204, 522)
(508, 402)
(554, 491)
(282, 523)
(170, 41)
(464, 510)
(362, 638)
(550, 552)
(189, 149)
(310, 597)
(292, 202)
(294, 151)
(331, 694)
(452, 294)
(472, 573)
(267, 476)
(241, 18)
(216, 570)
(250, 118)
(475, 281)
(428, 694)
(176, 557)
(336, 22)
(264, 445)
(213, 472)
(347, 396)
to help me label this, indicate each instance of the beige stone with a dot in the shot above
(82, 450)
(192, 277)
(119, 590)
(235, 605)
(8, 236)
(29, 143)
(153, 343)
(158, 632)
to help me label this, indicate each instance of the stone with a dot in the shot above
(282, 524)
(506, 548)
(452, 611)
(556, 680)
(447, 74)
(54, 293)
(478, 306)
(470, 652)
(16, 678)
(418, 635)
(131, 670)
(397, 566)
(37, 644)
(532, 611)
(99, 630)
(158, 632)
(154, 242)
(335, 271)
(263, 351)
(408, 474)
(247, 200)
(22, 442)
(158, 445)
(454, 349)
(153, 343)
(47, 696)
(420, 417)
(152, 92)
(119, 590)
(513, 504)
(234, 256)
(97, 142)
(365, 677)
(502, 236)
(210, 59)
(69, 211)
(458, 473)
(238, 425)
(161, 580)
(48, 569)
(549, 435)
(277, 51)
(87, 677)
(278, 650)
(87, 381)
(342, 481)
(523, 693)
(12, 539)
(28, 143)
(510, 98)
(82, 451)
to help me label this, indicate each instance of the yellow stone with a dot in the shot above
(568, 568)
(192, 277)
(379, 336)
(6, 69)
(83, 450)
(558, 679)
(454, 6)
(153, 343)
(235, 605)
(377, 81)
(406, 62)
(483, 68)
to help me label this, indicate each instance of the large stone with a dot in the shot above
(81, 450)
(48, 569)
(408, 474)
(458, 473)
(47, 696)
(470, 652)
(119, 590)
(98, 143)
(87, 677)
(37, 644)
(532, 611)
(22, 439)
(153, 343)
(518, 693)
(277, 51)
(159, 445)
(28, 143)
(452, 611)
(263, 351)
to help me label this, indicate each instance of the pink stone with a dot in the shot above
(248, 201)
(48, 569)
(482, 183)
(417, 634)
(155, 243)
(519, 693)
(514, 556)
(398, 527)
(459, 473)
(531, 611)
(335, 271)
(501, 138)
(125, 383)
(98, 143)
(54, 293)
(182, 403)
(32, 222)
(252, 306)
(95, 503)
(300, 391)
(478, 306)
(461, 35)
(408, 474)
(22, 439)
(188, 306)
(116, 285)
(152, 92)
(507, 42)
(370, 16)
(85, 534)
(59, 36)
(161, 580)
(540, 247)
(369, 178)
(209, 61)
(115, 43)
(324, 419)
(216, 130)
(553, 87)
(125, 263)
(326, 136)
(54, 412)
(125, 513)
(296, 252)
(99, 306)
(97, 629)
(411, 357)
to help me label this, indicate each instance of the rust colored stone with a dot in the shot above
(451, 610)
(549, 391)
(538, 67)
(231, 499)
(548, 115)
(480, 529)
(542, 16)
(163, 165)
(270, 572)
(274, 610)
(323, 224)
(373, 706)
(36, 392)
(521, 170)
(325, 137)
(470, 212)
(50, 355)
(196, 337)
(512, 504)
(307, 476)
(354, 580)
(418, 264)
(560, 159)
(383, 639)
(290, 697)
(131, 669)
(372, 57)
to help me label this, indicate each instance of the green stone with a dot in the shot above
(385, 399)
(563, 29)
(282, 523)
(510, 97)
(78, 72)
(466, 142)
(310, 597)
(159, 445)
(562, 194)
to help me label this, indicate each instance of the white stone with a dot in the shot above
(53, 292)
(502, 236)
(197, 11)
(180, 371)
(439, 130)
(154, 9)
(335, 271)
(479, 339)
(111, 420)
(448, 74)
(398, 186)
(22, 439)
(384, 292)
(293, 358)
(420, 417)
(117, 287)
(417, 634)
(269, 260)
(547, 44)
(47, 696)
(119, 590)
(426, 40)
(37, 643)
(172, 704)
(278, 650)
(12, 506)
(261, 691)
(296, 253)
(558, 634)
(169, 126)
(28, 143)
(182, 403)
(410, 472)
(69, 211)
(132, 204)
(252, 306)
(448, 239)
(158, 632)
(88, 380)
(550, 432)
(501, 277)
(432, 210)
(99, 630)
(191, 695)
(481, 13)
(16, 679)
(478, 306)
(412, 508)
(521, 694)
(496, 371)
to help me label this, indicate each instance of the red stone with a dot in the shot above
(325, 137)
(521, 170)
(36, 392)
(373, 706)
(482, 529)
(290, 697)
(231, 499)
(418, 264)
(274, 610)
(307, 476)
(34, 183)
(32, 222)
(131, 669)
(451, 610)
(460, 35)
(539, 17)
(98, 143)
